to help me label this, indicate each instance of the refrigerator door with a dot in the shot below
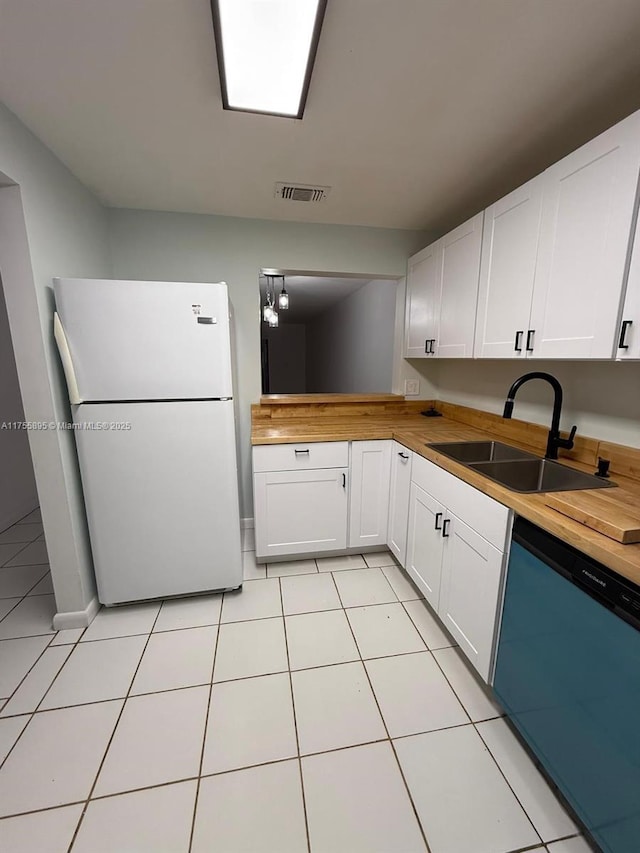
(144, 340)
(161, 497)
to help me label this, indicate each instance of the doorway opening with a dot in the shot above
(335, 336)
(24, 568)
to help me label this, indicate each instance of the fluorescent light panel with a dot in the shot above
(266, 50)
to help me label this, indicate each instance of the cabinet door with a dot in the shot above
(472, 571)
(369, 493)
(425, 543)
(422, 301)
(399, 501)
(297, 512)
(628, 342)
(459, 290)
(507, 271)
(587, 212)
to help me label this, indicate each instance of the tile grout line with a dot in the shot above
(384, 723)
(295, 721)
(17, 554)
(206, 727)
(226, 680)
(502, 773)
(248, 767)
(110, 741)
(19, 685)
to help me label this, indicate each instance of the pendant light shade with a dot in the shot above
(283, 299)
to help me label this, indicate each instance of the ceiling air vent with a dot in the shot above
(301, 192)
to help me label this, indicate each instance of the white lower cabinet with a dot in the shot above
(470, 591)
(399, 489)
(425, 544)
(369, 493)
(450, 537)
(456, 546)
(300, 512)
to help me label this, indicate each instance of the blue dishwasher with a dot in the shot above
(568, 676)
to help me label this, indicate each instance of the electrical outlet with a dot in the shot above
(411, 387)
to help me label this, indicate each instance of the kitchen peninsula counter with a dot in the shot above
(370, 417)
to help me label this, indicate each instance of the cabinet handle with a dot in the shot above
(403, 455)
(438, 517)
(530, 335)
(518, 342)
(623, 334)
(301, 452)
(445, 527)
(344, 480)
(426, 346)
(432, 351)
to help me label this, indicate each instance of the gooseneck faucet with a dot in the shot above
(554, 441)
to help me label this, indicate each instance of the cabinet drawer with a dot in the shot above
(301, 456)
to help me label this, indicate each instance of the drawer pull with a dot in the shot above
(438, 517)
(445, 527)
(403, 455)
(301, 452)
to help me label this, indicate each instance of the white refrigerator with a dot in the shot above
(148, 368)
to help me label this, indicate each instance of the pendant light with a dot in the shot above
(268, 308)
(283, 299)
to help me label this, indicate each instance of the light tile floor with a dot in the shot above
(322, 709)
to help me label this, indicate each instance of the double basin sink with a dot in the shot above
(516, 469)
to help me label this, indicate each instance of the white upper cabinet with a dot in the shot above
(628, 342)
(587, 212)
(442, 293)
(507, 272)
(422, 301)
(459, 290)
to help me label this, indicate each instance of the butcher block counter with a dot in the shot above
(310, 418)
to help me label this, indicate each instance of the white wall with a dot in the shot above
(350, 346)
(191, 247)
(50, 225)
(601, 398)
(287, 358)
(18, 493)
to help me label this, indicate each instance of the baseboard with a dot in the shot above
(246, 523)
(77, 618)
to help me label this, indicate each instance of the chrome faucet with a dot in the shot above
(554, 440)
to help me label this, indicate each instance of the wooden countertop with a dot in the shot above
(416, 432)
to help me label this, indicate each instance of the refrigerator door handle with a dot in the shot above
(67, 362)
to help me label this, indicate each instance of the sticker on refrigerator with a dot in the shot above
(197, 309)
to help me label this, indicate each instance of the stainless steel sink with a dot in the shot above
(539, 475)
(468, 452)
(516, 469)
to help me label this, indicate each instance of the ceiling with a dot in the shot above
(420, 112)
(312, 295)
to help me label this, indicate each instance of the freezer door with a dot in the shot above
(145, 340)
(161, 497)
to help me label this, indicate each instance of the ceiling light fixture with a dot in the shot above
(289, 31)
(283, 299)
